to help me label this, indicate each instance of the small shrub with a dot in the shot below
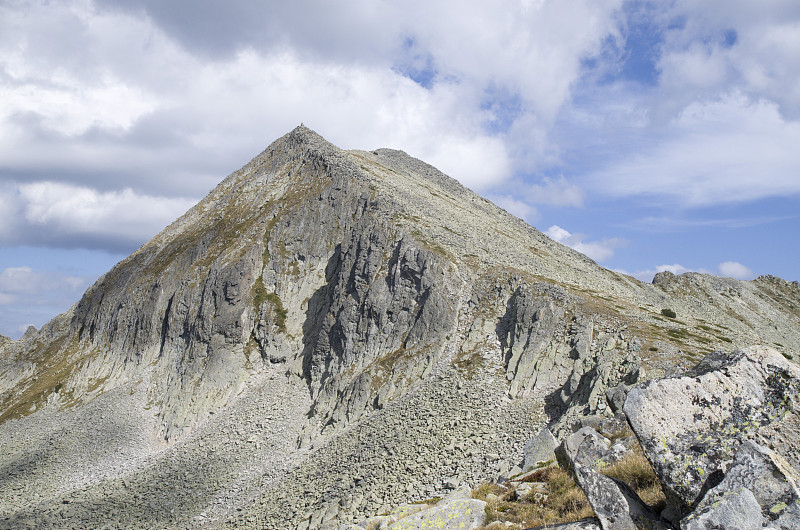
(669, 313)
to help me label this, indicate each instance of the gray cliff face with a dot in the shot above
(318, 301)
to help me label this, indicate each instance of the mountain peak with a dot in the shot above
(302, 138)
(300, 329)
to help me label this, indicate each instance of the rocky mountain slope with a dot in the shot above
(327, 334)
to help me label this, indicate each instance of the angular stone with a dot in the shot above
(691, 426)
(540, 450)
(584, 448)
(614, 502)
(462, 492)
(735, 509)
(616, 397)
(619, 450)
(460, 513)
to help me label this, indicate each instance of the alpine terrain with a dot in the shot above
(330, 336)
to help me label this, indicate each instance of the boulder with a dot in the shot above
(691, 426)
(759, 486)
(616, 397)
(584, 448)
(736, 509)
(462, 492)
(460, 513)
(616, 505)
(540, 450)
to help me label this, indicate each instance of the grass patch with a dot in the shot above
(259, 293)
(636, 471)
(280, 313)
(560, 501)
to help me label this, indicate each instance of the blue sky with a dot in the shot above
(650, 135)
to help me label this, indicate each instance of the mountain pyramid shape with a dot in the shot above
(329, 332)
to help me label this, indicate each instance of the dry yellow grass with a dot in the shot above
(559, 501)
(635, 470)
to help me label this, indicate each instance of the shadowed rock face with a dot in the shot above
(246, 361)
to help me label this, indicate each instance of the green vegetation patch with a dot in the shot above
(259, 293)
(280, 312)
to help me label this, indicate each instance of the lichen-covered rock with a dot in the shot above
(767, 476)
(458, 513)
(586, 447)
(540, 450)
(614, 502)
(737, 509)
(691, 426)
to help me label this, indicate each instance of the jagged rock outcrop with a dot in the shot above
(327, 322)
(759, 490)
(692, 426)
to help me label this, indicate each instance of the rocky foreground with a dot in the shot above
(330, 334)
(723, 439)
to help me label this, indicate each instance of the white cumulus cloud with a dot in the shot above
(597, 250)
(734, 269)
(17, 283)
(55, 214)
